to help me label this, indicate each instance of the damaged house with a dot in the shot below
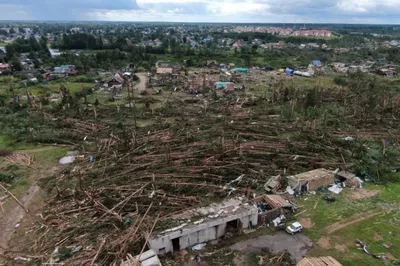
(388, 70)
(116, 80)
(211, 223)
(270, 207)
(311, 180)
(213, 64)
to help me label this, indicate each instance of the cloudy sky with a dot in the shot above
(284, 11)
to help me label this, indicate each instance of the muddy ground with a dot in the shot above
(296, 245)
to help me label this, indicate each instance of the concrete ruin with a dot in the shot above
(211, 223)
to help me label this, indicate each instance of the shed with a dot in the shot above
(321, 261)
(289, 71)
(240, 70)
(224, 85)
(311, 180)
(212, 64)
(317, 63)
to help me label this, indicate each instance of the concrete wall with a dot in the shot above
(201, 233)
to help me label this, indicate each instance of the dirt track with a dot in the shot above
(13, 215)
(142, 84)
(352, 220)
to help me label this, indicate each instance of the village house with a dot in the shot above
(387, 70)
(117, 79)
(168, 70)
(237, 44)
(212, 64)
(199, 82)
(4, 67)
(67, 70)
(61, 72)
(211, 223)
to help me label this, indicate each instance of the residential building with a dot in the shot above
(315, 33)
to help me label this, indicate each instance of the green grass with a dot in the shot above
(385, 224)
(8, 143)
(51, 156)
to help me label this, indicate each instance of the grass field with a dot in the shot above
(373, 231)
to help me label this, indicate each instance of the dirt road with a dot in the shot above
(13, 213)
(13, 216)
(296, 245)
(352, 220)
(143, 80)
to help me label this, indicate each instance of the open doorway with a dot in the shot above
(233, 226)
(175, 244)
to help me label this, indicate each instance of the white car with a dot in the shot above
(294, 228)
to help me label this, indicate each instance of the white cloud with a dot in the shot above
(14, 12)
(286, 11)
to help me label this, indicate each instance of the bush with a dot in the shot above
(7, 178)
(341, 81)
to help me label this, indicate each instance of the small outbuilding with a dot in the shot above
(311, 180)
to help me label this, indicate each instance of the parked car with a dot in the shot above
(294, 228)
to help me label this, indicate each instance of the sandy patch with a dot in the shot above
(363, 193)
(390, 256)
(342, 248)
(306, 222)
(296, 245)
(378, 237)
(323, 242)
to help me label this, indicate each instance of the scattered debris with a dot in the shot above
(273, 184)
(67, 159)
(198, 246)
(365, 249)
(335, 189)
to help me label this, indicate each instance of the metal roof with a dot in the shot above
(322, 261)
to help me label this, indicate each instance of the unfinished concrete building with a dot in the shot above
(217, 219)
(311, 180)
